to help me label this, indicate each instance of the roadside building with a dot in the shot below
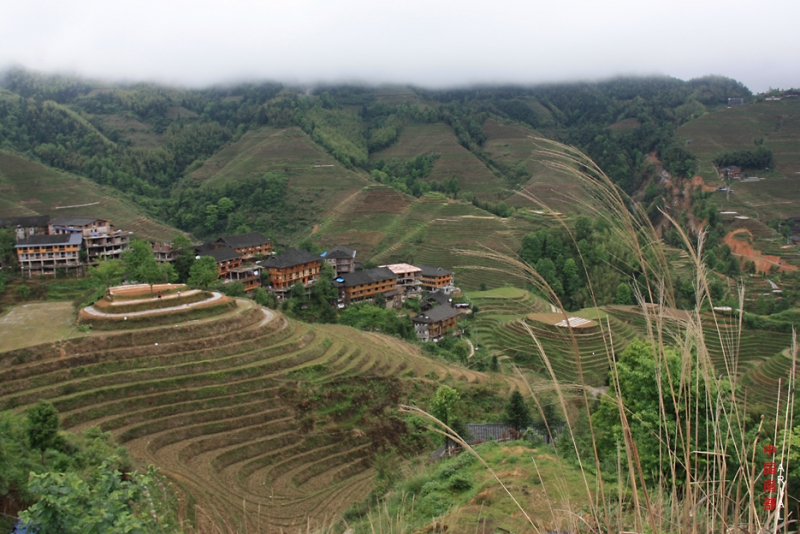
(408, 281)
(362, 286)
(433, 324)
(342, 259)
(85, 226)
(45, 254)
(26, 226)
(433, 278)
(248, 245)
(285, 270)
(731, 171)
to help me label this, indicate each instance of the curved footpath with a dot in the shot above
(92, 311)
(186, 293)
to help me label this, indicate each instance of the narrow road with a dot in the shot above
(214, 297)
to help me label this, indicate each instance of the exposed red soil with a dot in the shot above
(746, 251)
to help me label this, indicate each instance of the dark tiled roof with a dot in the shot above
(219, 253)
(438, 296)
(433, 271)
(74, 221)
(339, 250)
(60, 239)
(365, 277)
(434, 315)
(337, 255)
(289, 258)
(250, 239)
(35, 220)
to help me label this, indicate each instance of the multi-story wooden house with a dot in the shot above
(431, 325)
(248, 245)
(433, 278)
(342, 259)
(45, 254)
(26, 226)
(408, 281)
(365, 285)
(285, 270)
(225, 256)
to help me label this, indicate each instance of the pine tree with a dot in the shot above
(517, 413)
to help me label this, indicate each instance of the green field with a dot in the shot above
(28, 188)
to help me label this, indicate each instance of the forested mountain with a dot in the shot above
(232, 157)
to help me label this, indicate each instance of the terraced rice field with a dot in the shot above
(257, 419)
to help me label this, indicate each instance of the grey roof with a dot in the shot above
(289, 258)
(438, 296)
(433, 271)
(365, 277)
(30, 221)
(337, 255)
(434, 315)
(250, 239)
(338, 251)
(223, 253)
(74, 221)
(59, 239)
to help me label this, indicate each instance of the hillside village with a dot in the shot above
(45, 247)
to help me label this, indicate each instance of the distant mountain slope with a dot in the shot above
(736, 128)
(29, 188)
(454, 160)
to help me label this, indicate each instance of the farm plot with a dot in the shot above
(263, 422)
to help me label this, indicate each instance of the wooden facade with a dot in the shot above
(433, 278)
(249, 245)
(433, 324)
(285, 270)
(366, 285)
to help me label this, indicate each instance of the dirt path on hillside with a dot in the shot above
(746, 251)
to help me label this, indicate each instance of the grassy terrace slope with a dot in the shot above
(734, 129)
(386, 226)
(511, 144)
(29, 188)
(246, 411)
(439, 138)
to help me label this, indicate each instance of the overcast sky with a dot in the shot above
(432, 43)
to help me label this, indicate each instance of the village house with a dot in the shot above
(433, 278)
(285, 270)
(26, 226)
(365, 285)
(342, 259)
(249, 245)
(408, 281)
(163, 252)
(433, 324)
(437, 298)
(731, 171)
(225, 256)
(45, 254)
(249, 274)
(99, 238)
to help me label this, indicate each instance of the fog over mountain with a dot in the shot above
(439, 43)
